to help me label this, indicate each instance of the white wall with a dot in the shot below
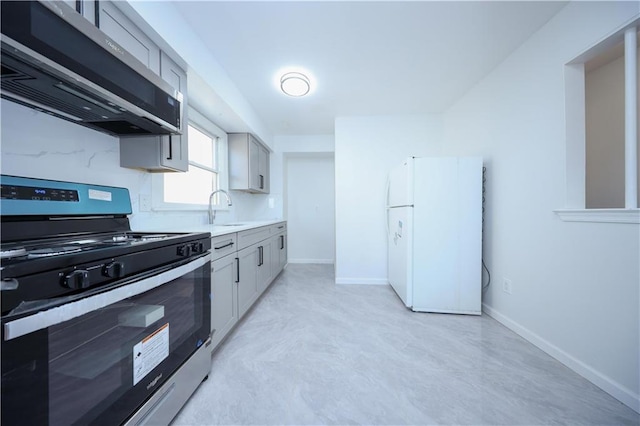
(575, 285)
(365, 149)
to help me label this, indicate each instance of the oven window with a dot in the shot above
(98, 357)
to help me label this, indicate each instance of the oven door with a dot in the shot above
(97, 359)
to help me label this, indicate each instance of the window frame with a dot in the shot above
(205, 125)
(575, 182)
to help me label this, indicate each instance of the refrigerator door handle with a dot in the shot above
(387, 218)
(386, 201)
(386, 191)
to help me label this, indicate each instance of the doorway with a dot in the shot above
(309, 207)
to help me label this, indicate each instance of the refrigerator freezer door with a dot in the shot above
(400, 185)
(400, 237)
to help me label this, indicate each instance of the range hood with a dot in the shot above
(55, 61)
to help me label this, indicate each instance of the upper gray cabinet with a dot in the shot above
(163, 153)
(174, 75)
(248, 164)
(87, 8)
(123, 31)
(166, 153)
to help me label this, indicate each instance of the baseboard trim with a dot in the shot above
(613, 388)
(366, 281)
(321, 261)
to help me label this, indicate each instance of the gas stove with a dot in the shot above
(100, 324)
(53, 247)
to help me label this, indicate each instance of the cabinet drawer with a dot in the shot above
(224, 245)
(278, 228)
(252, 236)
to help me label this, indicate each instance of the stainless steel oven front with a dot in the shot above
(98, 357)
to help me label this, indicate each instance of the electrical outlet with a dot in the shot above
(144, 203)
(506, 285)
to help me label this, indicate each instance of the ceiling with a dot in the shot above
(366, 57)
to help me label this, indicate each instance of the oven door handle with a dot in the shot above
(66, 312)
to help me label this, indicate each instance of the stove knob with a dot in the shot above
(184, 250)
(113, 270)
(197, 247)
(77, 279)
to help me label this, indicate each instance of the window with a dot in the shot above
(207, 154)
(194, 186)
(602, 140)
(605, 129)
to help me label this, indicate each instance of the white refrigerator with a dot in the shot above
(434, 233)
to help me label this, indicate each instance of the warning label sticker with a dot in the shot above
(150, 352)
(95, 194)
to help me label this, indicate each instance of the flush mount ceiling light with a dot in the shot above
(295, 84)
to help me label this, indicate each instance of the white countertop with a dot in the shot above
(215, 230)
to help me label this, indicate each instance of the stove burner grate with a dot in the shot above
(52, 251)
(16, 252)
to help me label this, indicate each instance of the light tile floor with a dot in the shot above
(312, 352)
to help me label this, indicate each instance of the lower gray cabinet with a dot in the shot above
(283, 252)
(224, 298)
(264, 265)
(278, 253)
(240, 277)
(248, 278)
(275, 256)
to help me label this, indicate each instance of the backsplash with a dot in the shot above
(34, 144)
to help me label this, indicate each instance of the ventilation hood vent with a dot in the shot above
(55, 61)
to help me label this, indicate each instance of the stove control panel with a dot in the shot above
(23, 196)
(18, 192)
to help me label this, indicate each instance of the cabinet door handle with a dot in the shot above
(260, 256)
(224, 246)
(170, 149)
(96, 11)
(261, 182)
(237, 269)
(281, 242)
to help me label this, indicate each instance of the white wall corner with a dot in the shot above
(607, 384)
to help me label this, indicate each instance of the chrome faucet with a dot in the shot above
(212, 212)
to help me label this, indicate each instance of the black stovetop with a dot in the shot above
(49, 268)
(52, 248)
